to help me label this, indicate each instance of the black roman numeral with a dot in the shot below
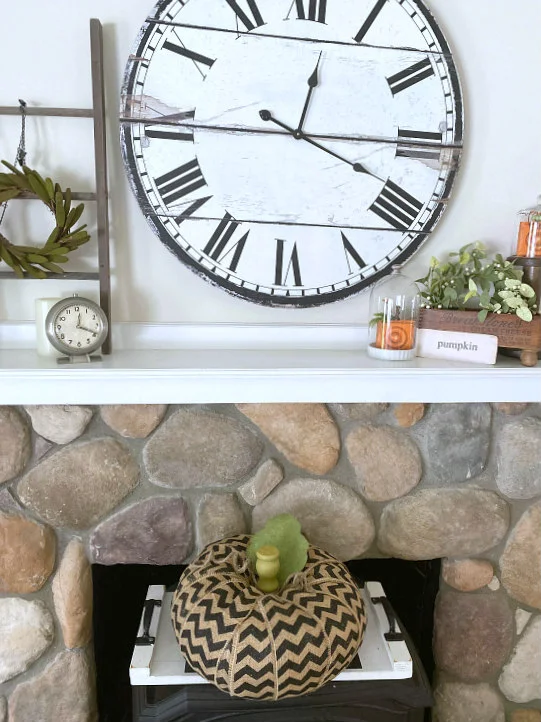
(216, 247)
(282, 269)
(179, 182)
(406, 150)
(378, 7)
(396, 206)
(193, 208)
(350, 251)
(249, 22)
(410, 76)
(169, 134)
(311, 10)
(190, 54)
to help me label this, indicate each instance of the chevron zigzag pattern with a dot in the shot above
(266, 646)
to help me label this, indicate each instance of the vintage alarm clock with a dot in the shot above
(76, 327)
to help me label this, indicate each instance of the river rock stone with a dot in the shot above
(63, 692)
(26, 630)
(135, 421)
(72, 594)
(387, 463)
(332, 516)
(219, 516)
(458, 440)
(3, 709)
(408, 415)
(15, 447)
(59, 424)
(78, 485)
(520, 680)
(8, 501)
(520, 562)
(526, 715)
(357, 412)
(195, 448)
(522, 617)
(265, 479)
(305, 434)
(157, 530)
(435, 523)
(511, 409)
(456, 702)
(27, 554)
(519, 459)
(467, 575)
(473, 634)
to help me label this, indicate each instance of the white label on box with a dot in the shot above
(453, 346)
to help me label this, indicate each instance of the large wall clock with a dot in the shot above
(292, 151)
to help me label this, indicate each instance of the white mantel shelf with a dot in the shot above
(230, 364)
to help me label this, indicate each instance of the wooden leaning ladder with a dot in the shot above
(101, 196)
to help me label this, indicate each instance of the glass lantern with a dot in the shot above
(529, 233)
(394, 316)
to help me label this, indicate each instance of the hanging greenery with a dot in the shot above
(38, 261)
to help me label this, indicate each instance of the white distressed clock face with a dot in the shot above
(292, 151)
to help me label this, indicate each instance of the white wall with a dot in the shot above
(44, 56)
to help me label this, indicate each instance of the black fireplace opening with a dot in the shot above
(120, 591)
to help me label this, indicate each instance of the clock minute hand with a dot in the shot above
(312, 83)
(266, 115)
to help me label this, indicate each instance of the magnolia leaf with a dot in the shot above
(284, 532)
(524, 313)
(526, 291)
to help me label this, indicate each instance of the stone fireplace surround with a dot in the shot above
(152, 484)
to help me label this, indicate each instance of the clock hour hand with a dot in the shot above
(312, 83)
(266, 115)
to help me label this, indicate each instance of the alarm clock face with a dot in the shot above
(76, 326)
(292, 151)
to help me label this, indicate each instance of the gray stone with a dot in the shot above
(15, 447)
(41, 447)
(72, 594)
(519, 459)
(305, 434)
(26, 630)
(78, 485)
(195, 448)
(520, 680)
(135, 421)
(219, 516)
(27, 554)
(387, 463)
(456, 702)
(8, 501)
(494, 584)
(265, 479)
(458, 440)
(357, 412)
(473, 634)
(63, 692)
(3, 709)
(154, 531)
(59, 424)
(526, 715)
(435, 523)
(467, 575)
(332, 516)
(520, 562)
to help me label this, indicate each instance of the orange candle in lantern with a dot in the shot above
(395, 335)
(529, 239)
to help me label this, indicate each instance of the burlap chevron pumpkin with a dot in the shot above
(266, 646)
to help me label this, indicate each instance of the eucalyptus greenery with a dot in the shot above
(469, 280)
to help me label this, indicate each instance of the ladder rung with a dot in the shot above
(68, 276)
(51, 112)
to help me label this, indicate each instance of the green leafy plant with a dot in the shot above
(470, 280)
(284, 532)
